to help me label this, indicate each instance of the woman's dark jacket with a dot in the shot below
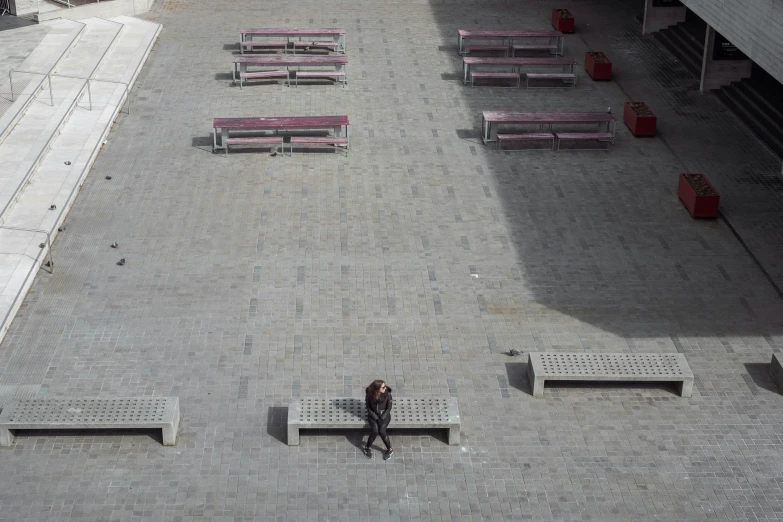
(381, 407)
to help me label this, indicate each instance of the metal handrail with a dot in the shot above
(89, 93)
(11, 82)
(100, 60)
(3, 324)
(57, 63)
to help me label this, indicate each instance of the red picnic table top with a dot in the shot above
(279, 122)
(509, 34)
(547, 117)
(272, 31)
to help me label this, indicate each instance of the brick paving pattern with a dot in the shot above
(419, 258)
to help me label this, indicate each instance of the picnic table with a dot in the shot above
(340, 63)
(337, 36)
(491, 120)
(515, 63)
(509, 36)
(223, 126)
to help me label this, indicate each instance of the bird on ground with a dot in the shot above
(121, 261)
(512, 352)
(115, 245)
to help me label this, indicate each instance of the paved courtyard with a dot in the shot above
(419, 258)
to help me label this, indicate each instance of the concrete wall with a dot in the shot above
(754, 26)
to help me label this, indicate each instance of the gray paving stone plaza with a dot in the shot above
(419, 258)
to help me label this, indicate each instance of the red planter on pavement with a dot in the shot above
(598, 66)
(563, 20)
(698, 195)
(639, 118)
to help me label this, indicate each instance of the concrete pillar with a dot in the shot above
(660, 14)
(722, 63)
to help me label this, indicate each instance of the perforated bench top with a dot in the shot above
(610, 366)
(351, 412)
(142, 412)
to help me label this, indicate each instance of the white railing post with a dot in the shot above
(11, 81)
(89, 93)
(51, 95)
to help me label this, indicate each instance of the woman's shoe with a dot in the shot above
(388, 454)
(367, 452)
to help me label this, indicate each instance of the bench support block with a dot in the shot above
(6, 437)
(293, 435)
(170, 431)
(454, 436)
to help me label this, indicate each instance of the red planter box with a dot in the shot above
(640, 124)
(598, 66)
(698, 195)
(563, 20)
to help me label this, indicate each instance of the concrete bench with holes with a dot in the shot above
(348, 413)
(337, 76)
(283, 73)
(585, 136)
(259, 140)
(527, 136)
(493, 76)
(486, 48)
(567, 78)
(636, 367)
(91, 413)
(336, 142)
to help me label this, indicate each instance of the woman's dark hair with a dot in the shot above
(374, 389)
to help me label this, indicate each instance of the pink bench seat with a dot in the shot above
(260, 140)
(319, 140)
(494, 75)
(579, 136)
(527, 136)
(533, 47)
(469, 48)
(282, 73)
(263, 43)
(335, 75)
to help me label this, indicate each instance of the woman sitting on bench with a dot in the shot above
(378, 399)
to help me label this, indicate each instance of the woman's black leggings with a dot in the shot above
(379, 428)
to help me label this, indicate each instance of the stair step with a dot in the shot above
(770, 139)
(672, 44)
(46, 56)
(759, 111)
(768, 109)
(684, 47)
(84, 57)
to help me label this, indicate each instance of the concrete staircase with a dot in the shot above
(753, 105)
(686, 47)
(51, 135)
(757, 112)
